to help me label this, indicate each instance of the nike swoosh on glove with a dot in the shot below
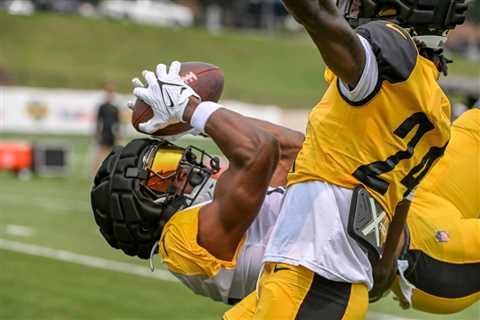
(166, 94)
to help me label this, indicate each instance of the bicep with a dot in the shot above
(223, 223)
(339, 47)
(239, 197)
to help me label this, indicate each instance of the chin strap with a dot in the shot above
(175, 206)
(152, 254)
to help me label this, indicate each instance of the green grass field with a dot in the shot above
(75, 52)
(58, 213)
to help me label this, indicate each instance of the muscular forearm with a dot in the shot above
(395, 232)
(238, 138)
(384, 270)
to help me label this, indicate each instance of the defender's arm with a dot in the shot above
(385, 270)
(253, 155)
(338, 44)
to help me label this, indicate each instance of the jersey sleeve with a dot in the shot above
(368, 81)
(394, 49)
(181, 252)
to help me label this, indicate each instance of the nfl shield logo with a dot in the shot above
(442, 236)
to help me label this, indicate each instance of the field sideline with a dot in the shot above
(55, 265)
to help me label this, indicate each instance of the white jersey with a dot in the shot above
(249, 261)
(232, 283)
(311, 231)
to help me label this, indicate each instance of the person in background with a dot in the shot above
(107, 130)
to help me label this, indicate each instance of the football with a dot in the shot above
(206, 79)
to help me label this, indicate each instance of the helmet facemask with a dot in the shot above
(178, 178)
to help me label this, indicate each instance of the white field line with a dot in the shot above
(129, 268)
(85, 260)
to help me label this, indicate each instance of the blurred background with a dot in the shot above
(65, 70)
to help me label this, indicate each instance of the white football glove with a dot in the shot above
(166, 94)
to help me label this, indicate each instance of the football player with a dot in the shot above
(152, 190)
(440, 271)
(382, 123)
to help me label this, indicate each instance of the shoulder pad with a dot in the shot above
(395, 50)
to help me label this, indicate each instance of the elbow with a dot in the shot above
(261, 152)
(270, 149)
(297, 141)
(268, 155)
(292, 146)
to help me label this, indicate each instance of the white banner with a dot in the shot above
(57, 111)
(67, 111)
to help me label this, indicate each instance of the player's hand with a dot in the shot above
(137, 83)
(166, 94)
(383, 277)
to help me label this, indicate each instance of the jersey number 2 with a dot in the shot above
(368, 174)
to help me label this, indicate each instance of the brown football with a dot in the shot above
(206, 79)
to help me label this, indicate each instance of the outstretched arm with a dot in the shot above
(252, 152)
(253, 155)
(338, 44)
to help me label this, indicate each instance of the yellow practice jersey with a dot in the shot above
(455, 180)
(444, 227)
(192, 264)
(387, 142)
(227, 281)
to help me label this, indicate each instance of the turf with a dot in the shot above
(60, 203)
(75, 52)
(58, 212)
(40, 288)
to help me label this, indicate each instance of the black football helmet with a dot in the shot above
(133, 195)
(426, 17)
